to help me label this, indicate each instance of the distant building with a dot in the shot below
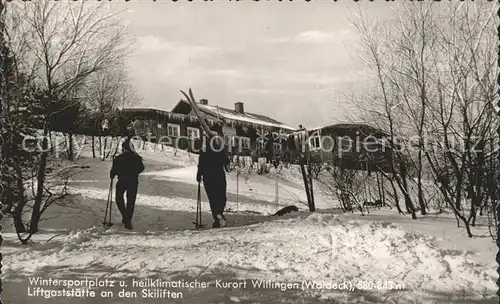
(351, 146)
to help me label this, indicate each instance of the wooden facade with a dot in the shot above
(255, 135)
(352, 146)
(244, 132)
(182, 127)
(168, 128)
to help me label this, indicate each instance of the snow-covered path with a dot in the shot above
(250, 186)
(180, 203)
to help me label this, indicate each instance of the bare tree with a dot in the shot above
(435, 92)
(347, 185)
(379, 56)
(318, 166)
(66, 43)
(463, 107)
(105, 92)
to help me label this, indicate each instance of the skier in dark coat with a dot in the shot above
(212, 163)
(127, 166)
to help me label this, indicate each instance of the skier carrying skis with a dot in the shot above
(127, 166)
(212, 163)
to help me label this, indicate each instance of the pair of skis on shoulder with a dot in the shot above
(192, 101)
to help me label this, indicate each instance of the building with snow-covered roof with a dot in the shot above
(244, 131)
(236, 116)
(249, 130)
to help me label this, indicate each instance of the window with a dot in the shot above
(227, 140)
(315, 143)
(327, 143)
(245, 142)
(193, 133)
(234, 141)
(261, 144)
(346, 144)
(173, 130)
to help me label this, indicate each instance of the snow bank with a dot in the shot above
(320, 247)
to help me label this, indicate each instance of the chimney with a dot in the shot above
(203, 101)
(238, 107)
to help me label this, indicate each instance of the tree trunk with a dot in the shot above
(42, 166)
(409, 205)
(396, 197)
(410, 208)
(452, 204)
(93, 146)
(311, 191)
(104, 148)
(52, 142)
(71, 153)
(421, 201)
(481, 209)
(312, 206)
(306, 184)
(458, 201)
(382, 186)
(473, 214)
(18, 211)
(379, 190)
(467, 226)
(477, 198)
(100, 144)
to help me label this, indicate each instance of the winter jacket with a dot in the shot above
(212, 164)
(127, 166)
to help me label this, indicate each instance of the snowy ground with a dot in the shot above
(430, 259)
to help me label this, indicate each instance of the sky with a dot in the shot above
(291, 61)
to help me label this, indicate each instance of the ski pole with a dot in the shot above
(104, 222)
(108, 204)
(198, 208)
(237, 191)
